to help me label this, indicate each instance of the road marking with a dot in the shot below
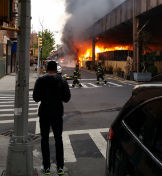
(13, 97)
(12, 115)
(14, 101)
(37, 127)
(88, 79)
(115, 84)
(68, 150)
(84, 86)
(3, 99)
(13, 105)
(94, 85)
(30, 109)
(99, 141)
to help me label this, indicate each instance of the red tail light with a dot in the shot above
(110, 134)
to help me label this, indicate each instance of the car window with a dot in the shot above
(141, 120)
(153, 141)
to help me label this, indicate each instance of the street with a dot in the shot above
(87, 118)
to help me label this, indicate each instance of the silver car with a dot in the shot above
(59, 69)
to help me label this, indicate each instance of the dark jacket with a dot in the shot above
(51, 90)
(100, 70)
(76, 73)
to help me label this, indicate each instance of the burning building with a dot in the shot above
(116, 34)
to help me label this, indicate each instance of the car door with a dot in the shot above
(144, 126)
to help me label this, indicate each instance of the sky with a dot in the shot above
(51, 13)
(80, 14)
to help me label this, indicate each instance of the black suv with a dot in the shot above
(134, 145)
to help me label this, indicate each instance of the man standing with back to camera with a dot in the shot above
(51, 90)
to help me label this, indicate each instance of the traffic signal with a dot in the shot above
(39, 42)
(31, 52)
(6, 10)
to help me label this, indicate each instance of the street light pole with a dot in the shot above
(38, 63)
(20, 156)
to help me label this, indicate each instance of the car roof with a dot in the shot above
(50, 60)
(156, 78)
(148, 85)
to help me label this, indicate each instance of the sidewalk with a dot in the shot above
(8, 82)
(37, 161)
(110, 76)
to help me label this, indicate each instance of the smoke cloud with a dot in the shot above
(83, 14)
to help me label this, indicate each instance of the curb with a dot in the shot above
(110, 76)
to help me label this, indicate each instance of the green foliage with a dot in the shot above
(146, 53)
(153, 69)
(145, 38)
(47, 43)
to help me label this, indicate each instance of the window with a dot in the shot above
(143, 118)
(146, 123)
(153, 141)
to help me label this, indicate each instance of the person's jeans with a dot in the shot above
(57, 127)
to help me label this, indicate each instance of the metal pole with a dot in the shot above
(20, 156)
(135, 39)
(42, 46)
(38, 64)
(93, 52)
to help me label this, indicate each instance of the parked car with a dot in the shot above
(59, 69)
(134, 145)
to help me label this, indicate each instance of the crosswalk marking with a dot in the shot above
(11, 115)
(96, 136)
(84, 85)
(10, 98)
(13, 105)
(68, 150)
(2, 110)
(99, 141)
(93, 85)
(13, 102)
(114, 84)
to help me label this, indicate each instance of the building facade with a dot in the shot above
(8, 44)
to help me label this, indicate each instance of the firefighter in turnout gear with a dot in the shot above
(76, 76)
(100, 73)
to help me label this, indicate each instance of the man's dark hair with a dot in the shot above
(51, 66)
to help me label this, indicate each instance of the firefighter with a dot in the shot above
(100, 73)
(45, 71)
(76, 76)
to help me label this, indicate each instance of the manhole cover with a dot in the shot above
(9, 133)
(106, 104)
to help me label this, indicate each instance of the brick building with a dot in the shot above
(33, 40)
(8, 44)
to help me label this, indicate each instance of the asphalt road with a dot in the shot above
(88, 116)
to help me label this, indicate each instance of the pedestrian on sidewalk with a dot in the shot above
(100, 73)
(51, 90)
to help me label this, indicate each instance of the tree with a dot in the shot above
(47, 43)
(146, 53)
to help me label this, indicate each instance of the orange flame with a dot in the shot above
(88, 53)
